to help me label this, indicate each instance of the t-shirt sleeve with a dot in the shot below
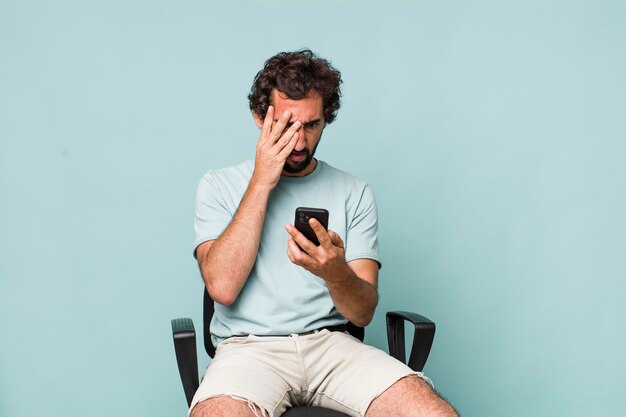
(212, 212)
(362, 234)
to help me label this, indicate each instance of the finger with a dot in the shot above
(320, 232)
(290, 145)
(297, 256)
(278, 128)
(292, 249)
(267, 123)
(335, 239)
(288, 135)
(305, 245)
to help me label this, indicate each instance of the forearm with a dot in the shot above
(355, 298)
(226, 265)
(226, 262)
(352, 285)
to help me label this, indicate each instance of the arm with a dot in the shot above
(225, 263)
(352, 286)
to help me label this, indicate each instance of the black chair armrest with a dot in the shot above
(422, 340)
(186, 355)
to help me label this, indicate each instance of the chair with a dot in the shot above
(186, 355)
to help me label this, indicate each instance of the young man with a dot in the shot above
(280, 300)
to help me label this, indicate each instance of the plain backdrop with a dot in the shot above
(492, 132)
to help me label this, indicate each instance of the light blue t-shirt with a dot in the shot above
(281, 298)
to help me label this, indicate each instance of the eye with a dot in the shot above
(312, 125)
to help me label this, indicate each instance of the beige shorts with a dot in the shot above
(326, 369)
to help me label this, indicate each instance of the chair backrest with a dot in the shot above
(209, 309)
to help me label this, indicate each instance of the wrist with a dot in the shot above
(341, 276)
(259, 185)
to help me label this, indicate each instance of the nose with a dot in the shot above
(301, 144)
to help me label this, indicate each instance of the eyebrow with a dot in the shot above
(309, 123)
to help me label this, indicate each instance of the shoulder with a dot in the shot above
(233, 176)
(223, 182)
(234, 172)
(353, 187)
(335, 174)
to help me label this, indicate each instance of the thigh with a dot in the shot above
(347, 374)
(258, 372)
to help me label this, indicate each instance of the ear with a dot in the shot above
(257, 120)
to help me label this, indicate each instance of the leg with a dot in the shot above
(249, 376)
(225, 407)
(410, 397)
(366, 381)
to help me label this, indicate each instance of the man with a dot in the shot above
(280, 300)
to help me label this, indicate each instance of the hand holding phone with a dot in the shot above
(303, 214)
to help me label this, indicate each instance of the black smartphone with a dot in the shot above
(303, 214)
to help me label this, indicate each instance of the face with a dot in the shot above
(310, 112)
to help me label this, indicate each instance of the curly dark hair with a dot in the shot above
(296, 74)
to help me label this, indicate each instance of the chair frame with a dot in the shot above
(184, 334)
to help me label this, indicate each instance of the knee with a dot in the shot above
(428, 400)
(214, 407)
(201, 409)
(221, 407)
(411, 396)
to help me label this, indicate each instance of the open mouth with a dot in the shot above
(297, 156)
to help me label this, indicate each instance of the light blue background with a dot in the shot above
(491, 131)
